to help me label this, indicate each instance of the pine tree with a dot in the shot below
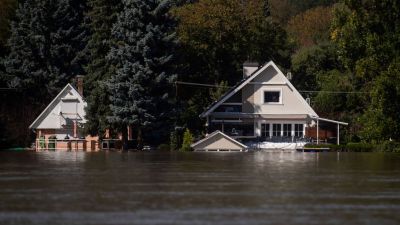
(102, 15)
(142, 56)
(45, 42)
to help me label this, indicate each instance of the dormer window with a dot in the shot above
(273, 97)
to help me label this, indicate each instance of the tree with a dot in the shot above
(311, 27)
(187, 140)
(381, 120)
(174, 140)
(102, 15)
(220, 89)
(142, 55)
(366, 33)
(7, 10)
(45, 42)
(308, 63)
(216, 38)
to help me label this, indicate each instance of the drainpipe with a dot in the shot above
(317, 131)
(75, 129)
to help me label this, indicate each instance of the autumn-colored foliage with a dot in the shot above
(311, 27)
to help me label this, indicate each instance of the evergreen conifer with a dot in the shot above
(142, 56)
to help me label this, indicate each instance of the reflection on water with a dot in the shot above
(199, 188)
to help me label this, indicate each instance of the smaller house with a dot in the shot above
(59, 126)
(218, 141)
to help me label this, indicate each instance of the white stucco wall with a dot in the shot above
(52, 119)
(292, 102)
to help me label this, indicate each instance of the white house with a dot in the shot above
(58, 126)
(267, 107)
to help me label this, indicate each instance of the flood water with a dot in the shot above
(199, 188)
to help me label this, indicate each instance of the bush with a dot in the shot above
(331, 147)
(388, 146)
(360, 147)
(174, 141)
(187, 141)
(163, 148)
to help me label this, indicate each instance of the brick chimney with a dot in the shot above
(249, 68)
(79, 84)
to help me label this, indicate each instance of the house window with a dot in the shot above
(272, 96)
(265, 130)
(298, 130)
(287, 130)
(276, 130)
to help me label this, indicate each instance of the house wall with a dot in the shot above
(217, 142)
(271, 79)
(90, 143)
(53, 118)
(323, 133)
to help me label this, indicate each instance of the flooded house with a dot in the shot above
(60, 125)
(266, 111)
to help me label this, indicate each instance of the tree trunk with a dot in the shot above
(124, 139)
(139, 139)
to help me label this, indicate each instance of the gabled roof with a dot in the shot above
(53, 103)
(217, 132)
(247, 80)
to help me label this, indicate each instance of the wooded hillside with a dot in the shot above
(344, 55)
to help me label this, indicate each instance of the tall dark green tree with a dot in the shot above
(44, 45)
(7, 10)
(142, 56)
(101, 16)
(45, 42)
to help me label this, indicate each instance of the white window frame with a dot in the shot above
(269, 129)
(272, 90)
(303, 130)
(279, 132)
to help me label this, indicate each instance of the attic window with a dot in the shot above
(272, 96)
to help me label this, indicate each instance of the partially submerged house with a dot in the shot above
(265, 107)
(218, 141)
(59, 126)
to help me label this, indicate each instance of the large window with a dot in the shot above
(287, 130)
(265, 130)
(298, 130)
(276, 130)
(272, 96)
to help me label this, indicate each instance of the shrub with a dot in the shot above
(174, 141)
(388, 146)
(360, 147)
(187, 141)
(163, 148)
(331, 147)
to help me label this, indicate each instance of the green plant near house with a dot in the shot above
(332, 147)
(359, 147)
(163, 148)
(187, 140)
(174, 141)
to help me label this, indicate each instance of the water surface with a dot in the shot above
(199, 188)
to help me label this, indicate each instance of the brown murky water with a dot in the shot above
(199, 188)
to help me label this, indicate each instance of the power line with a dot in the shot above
(337, 92)
(199, 84)
(302, 91)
